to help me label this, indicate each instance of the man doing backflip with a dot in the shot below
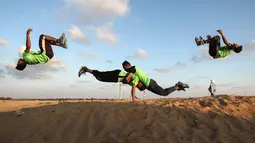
(215, 49)
(43, 56)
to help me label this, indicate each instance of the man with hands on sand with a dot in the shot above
(114, 76)
(150, 84)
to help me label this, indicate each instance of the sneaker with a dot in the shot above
(62, 40)
(83, 70)
(197, 41)
(200, 41)
(182, 86)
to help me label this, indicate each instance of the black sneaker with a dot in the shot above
(182, 86)
(83, 70)
(197, 41)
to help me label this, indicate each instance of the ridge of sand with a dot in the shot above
(223, 119)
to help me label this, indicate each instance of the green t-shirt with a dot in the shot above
(121, 76)
(141, 75)
(134, 78)
(35, 57)
(223, 52)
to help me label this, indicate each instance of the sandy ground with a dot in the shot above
(225, 119)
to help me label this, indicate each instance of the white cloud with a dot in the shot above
(227, 84)
(73, 85)
(170, 68)
(21, 50)
(90, 55)
(140, 54)
(180, 64)
(196, 59)
(249, 48)
(77, 35)
(202, 77)
(2, 73)
(108, 61)
(163, 70)
(96, 10)
(3, 42)
(105, 33)
(40, 71)
(203, 55)
(83, 81)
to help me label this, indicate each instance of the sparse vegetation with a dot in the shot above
(222, 102)
(205, 103)
(5, 98)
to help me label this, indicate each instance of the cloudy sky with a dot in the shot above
(156, 36)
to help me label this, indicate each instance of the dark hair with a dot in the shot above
(238, 50)
(21, 66)
(125, 63)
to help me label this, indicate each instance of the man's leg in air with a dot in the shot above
(202, 41)
(46, 41)
(106, 76)
(214, 44)
(155, 88)
(61, 41)
(45, 46)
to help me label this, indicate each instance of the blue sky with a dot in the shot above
(156, 36)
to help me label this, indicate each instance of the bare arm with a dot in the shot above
(224, 38)
(28, 41)
(133, 92)
(128, 77)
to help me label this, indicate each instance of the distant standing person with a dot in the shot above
(212, 88)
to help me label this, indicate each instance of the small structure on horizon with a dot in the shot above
(212, 88)
(120, 91)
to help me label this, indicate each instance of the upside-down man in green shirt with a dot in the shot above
(43, 56)
(217, 51)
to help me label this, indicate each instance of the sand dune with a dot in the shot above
(225, 119)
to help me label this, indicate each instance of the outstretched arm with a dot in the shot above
(28, 41)
(224, 38)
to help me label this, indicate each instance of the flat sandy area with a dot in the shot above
(225, 119)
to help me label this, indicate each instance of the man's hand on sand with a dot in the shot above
(29, 30)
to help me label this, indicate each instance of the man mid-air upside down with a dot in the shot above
(43, 56)
(217, 51)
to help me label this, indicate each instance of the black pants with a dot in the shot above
(210, 90)
(107, 76)
(155, 88)
(214, 46)
(45, 44)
